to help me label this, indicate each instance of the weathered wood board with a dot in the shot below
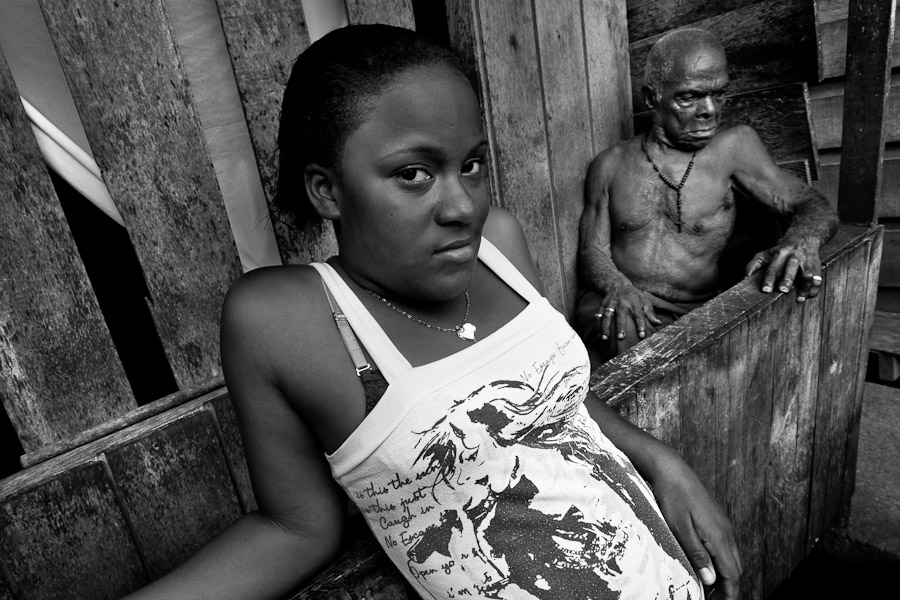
(107, 517)
(888, 203)
(390, 12)
(69, 538)
(884, 343)
(154, 161)
(795, 348)
(867, 87)
(263, 39)
(767, 44)
(827, 108)
(890, 258)
(50, 323)
(544, 121)
(647, 18)
(831, 34)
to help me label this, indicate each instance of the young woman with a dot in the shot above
(421, 373)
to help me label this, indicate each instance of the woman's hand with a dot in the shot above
(700, 526)
(695, 518)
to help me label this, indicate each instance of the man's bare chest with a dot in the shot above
(704, 205)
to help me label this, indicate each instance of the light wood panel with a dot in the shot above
(51, 327)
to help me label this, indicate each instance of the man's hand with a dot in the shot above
(789, 260)
(701, 528)
(625, 302)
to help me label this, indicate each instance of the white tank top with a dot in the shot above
(482, 475)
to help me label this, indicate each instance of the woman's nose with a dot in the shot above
(459, 203)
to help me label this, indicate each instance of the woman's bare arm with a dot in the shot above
(298, 526)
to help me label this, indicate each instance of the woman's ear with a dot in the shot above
(649, 96)
(323, 191)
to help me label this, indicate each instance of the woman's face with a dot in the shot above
(412, 191)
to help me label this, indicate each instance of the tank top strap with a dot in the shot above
(497, 262)
(372, 337)
(390, 361)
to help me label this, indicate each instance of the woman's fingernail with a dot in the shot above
(767, 289)
(707, 576)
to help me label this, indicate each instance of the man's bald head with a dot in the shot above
(668, 54)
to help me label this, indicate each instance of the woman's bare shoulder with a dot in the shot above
(274, 316)
(505, 232)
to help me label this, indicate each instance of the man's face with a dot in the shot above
(689, 103)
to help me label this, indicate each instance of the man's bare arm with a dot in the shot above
(813, 220)
(598, 271)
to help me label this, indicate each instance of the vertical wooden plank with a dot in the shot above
(870, 284)
(563, 69)
(697, 376)
(68, 538)
(796, 352)
(175, 486)
(522, 180)
(131, 92)
(59, 372)
(608, 72)
(870, 34)
(842, 307)
(263, 38)
(388, 12)
(748, 444)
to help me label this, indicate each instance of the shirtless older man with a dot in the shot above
(660, 208)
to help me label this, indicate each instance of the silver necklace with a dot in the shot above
(667, 181)
(464, 331)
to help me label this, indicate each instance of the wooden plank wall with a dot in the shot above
(555, 90)
(128, 83)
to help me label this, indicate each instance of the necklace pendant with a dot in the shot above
(466, 332)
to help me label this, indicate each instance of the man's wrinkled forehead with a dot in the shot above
(693, 60)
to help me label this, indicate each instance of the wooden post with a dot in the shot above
(870, 35)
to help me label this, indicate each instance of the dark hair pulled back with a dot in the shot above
(332, 85)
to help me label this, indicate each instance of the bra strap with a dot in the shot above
(350, 341)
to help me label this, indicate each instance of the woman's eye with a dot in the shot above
(414, 175)
(473, 167)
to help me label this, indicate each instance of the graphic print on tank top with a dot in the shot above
(508, 444)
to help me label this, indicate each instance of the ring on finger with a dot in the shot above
(609, 309)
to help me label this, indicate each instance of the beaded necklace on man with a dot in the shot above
(464, 331)
(668, 181)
